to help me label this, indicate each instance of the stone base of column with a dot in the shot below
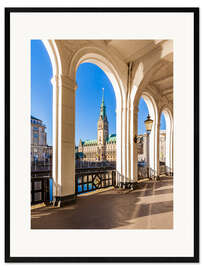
(64, 200)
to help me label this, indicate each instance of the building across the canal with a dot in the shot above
(40, 151)
(142, 147)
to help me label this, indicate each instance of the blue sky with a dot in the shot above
(90, 80)
(41, 86)
(142, 116)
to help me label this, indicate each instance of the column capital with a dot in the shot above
(68, 82)
(64, 80)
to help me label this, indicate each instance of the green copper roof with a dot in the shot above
(90, 142)
(112, 138)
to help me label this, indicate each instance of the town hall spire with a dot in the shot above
(103, 107)
(102, 126)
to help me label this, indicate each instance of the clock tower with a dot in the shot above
(102, 131)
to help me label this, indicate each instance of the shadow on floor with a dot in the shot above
(107, 210)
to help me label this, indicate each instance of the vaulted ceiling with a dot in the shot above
(162, 79)
(134, 51)
(130, 50)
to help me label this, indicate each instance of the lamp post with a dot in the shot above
(148, 125)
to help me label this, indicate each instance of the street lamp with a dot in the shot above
(148, 125)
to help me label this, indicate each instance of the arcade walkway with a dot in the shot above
(150, 206)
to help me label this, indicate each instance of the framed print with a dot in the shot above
(102, 134)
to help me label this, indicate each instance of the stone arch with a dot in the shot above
(53, 52)
(105, 62)
(101, 59)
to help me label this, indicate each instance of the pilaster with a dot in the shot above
(64, 130)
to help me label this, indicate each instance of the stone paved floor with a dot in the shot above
(150, 206)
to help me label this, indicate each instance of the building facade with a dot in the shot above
(162, 150)
(40, 151)
(142, 147)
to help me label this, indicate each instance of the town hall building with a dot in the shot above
(102, 149)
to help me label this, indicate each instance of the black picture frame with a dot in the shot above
(8, 257)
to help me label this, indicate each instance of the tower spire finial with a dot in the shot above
(103, 95)
(103, 109)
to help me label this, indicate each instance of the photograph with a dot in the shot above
(102, 134)
(112, 164)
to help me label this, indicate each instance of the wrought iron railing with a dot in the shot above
(41, 166)
(165, 170)
(124, 182)
(45, 173)
(79, 164)
(92, 180)
(41, 190)
(87, 180)
(162, 169)
(142, 172)
(169, 171)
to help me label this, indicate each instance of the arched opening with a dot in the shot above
(142, 140)
(64, 86)
(89, 55)
(95, 124)
(144, 144)
(162, 145)
(166, 143)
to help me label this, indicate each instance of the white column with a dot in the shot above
(55, 83)
(124, 145)
(169, 144)
(134, 156)
(64, 139)
(128, 143)
(158, 150)
(153, 148)
(148, 155)
(172, 138)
